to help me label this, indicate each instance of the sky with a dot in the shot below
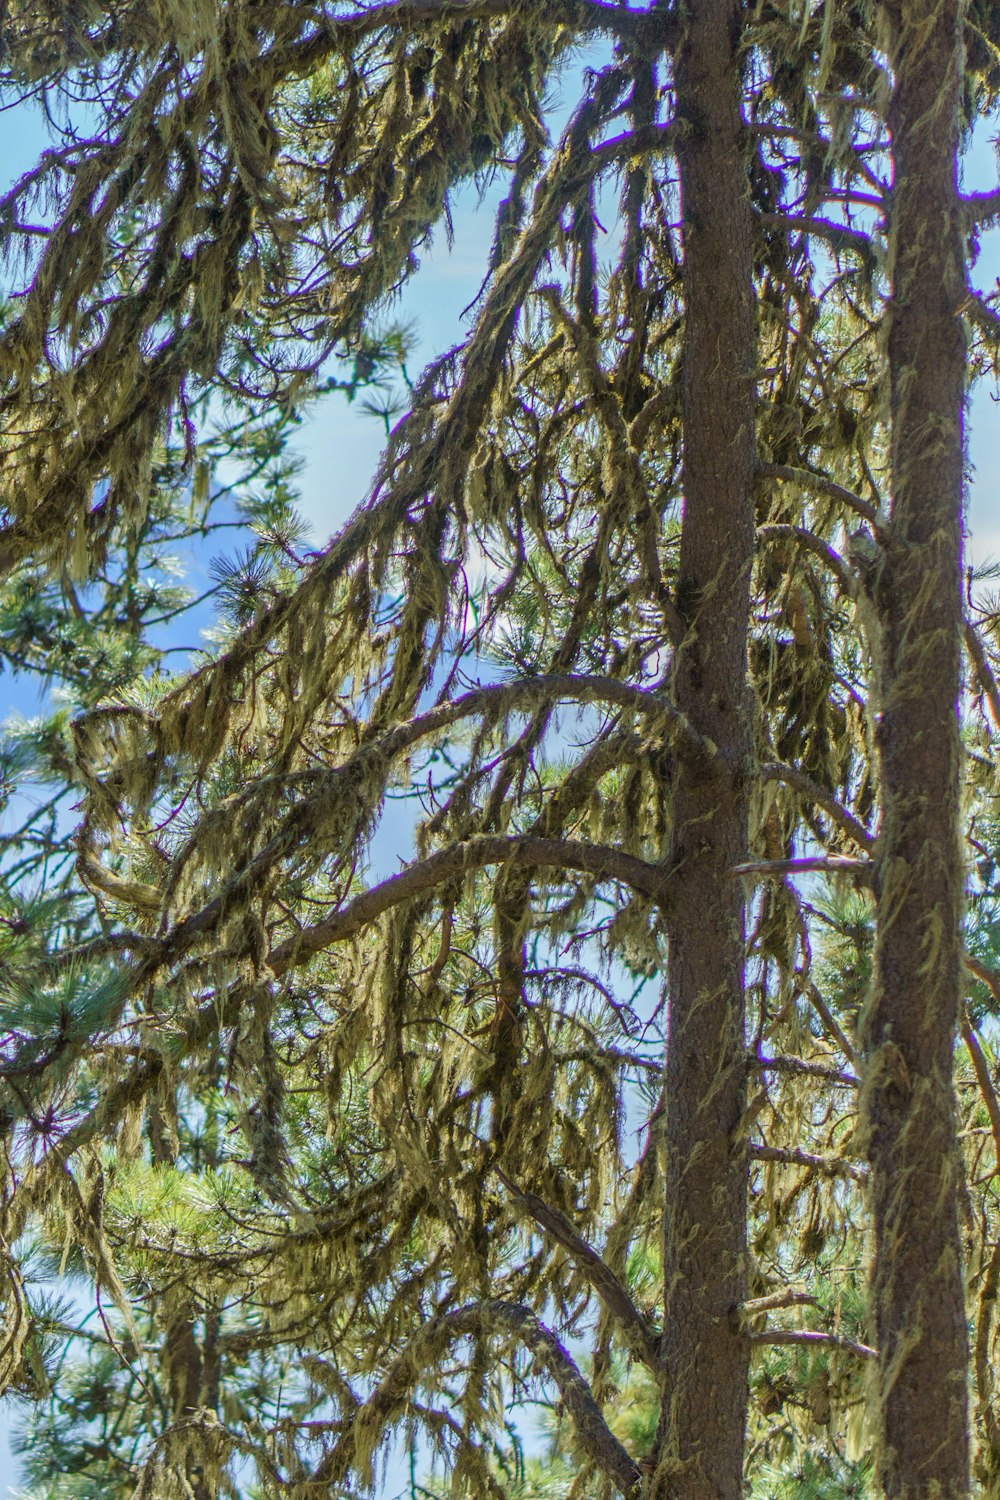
(340, 445)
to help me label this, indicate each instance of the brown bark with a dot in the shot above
(917, 1288)
(706, 1352)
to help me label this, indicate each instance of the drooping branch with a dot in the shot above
(801, 782)
(526, 852)
(502, 696)
(822, 485)
(421, 455)
(838, 236)
(606, 1284)
(153, 955)
(815, 544)
(984, 671)
(514, 1324)
(383, 750)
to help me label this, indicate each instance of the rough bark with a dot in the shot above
(917, 1289)
(705, 1351)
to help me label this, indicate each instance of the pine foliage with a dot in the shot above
(303, 1154)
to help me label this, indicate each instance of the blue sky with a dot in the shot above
(340, 445)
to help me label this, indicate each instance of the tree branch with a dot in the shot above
(830, 1022)
(508, 696)
(981, 209)
(983, 315)
(829, 1166)
(986, 976)
(984, 671)
(826, 864)
(609, 1289)
(495, 698)
(515, 851)
(808, 1069)
(806, 479)
(810, 1336)
(838, 236)
(815, 544)
(982, 1072)
(516, 1323)
(595, 15)
(774, 1300)
(802, 782)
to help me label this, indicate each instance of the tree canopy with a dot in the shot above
(655, 1078)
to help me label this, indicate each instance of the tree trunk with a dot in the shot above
(917, 1289)
(706, 1354)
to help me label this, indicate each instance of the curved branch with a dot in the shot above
(985, 975)
(507, 696)
(803, 783)
(516, 1323)
(822, 485)
(829, 555)
(609, 1289)
(529, 852)
(524, 851)
(495, 698)
(838, 236)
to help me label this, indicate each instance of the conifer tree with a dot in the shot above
(918, 1291)
(342, 1154)
(706, 1349)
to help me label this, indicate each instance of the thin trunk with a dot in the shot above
(706, 1354)
(917, 1289)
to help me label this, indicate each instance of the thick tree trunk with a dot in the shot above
(919, 1306)
(705, 1352)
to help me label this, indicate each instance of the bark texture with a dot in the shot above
(918, 1297)
(705, 1352)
